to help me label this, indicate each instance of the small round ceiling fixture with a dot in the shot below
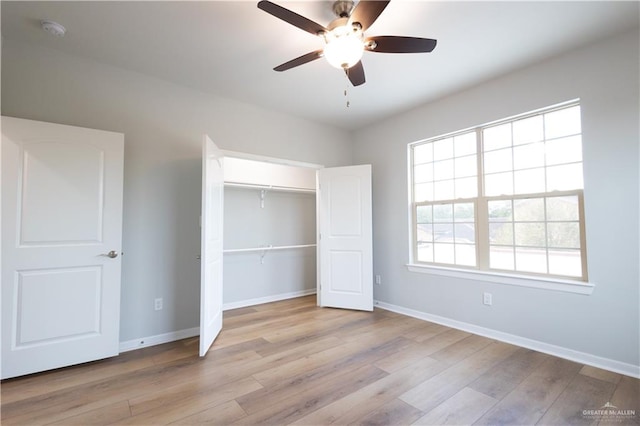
(53, 28)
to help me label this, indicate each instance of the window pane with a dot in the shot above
(465, 233)
(425, 252)
(443, 213)
(528, 130)
(498, 161)
(423, 153)
(466, 254)
(564, 122)
(562, 178)
(498, 184)
(529, 209)
(423, 192)
(501, 258)
(466, 166)
(567, 150)
(530, 234)
(423, 173)
(465, 144)
(424, 214)
(562, 208)
(500, 210)
(443, 253)
(443, 149)
(443, 232)
(425, 233)
(531, 260)
(464, 212)
(443, 190)
(466, 188)
(563, 234)
(501, 233)
(497, 137)
(443, 169)
(529, 181)
(565, 262)
(528, 156)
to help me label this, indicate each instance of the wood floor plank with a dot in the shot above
(191, 402)
(109, 414)
(421, 349)
(394, 412)
(461, 349)
(427, 331)
(598, 373)
(626, 397)
(338, 368)
(288, 404)
(222, 414)
(528, 402)
(463, 408)
(441, 387)
(582, 393)
(506, 375)
(359, 404)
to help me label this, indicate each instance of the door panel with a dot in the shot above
(211, 245)
(66, 180)
(345, 242)
(61, 215)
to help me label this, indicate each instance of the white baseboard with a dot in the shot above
(267, 299)
(158, 339)
(559, 351)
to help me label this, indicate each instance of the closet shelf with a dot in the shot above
(269, 187)
(267, 248)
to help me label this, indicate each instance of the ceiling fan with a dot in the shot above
(344, 37)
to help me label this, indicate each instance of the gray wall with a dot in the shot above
(605, 77)
(163, 126)
(288, 218)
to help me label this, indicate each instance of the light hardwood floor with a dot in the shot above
(291, 362)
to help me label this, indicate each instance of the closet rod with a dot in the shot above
(271, 187)
(268, 248)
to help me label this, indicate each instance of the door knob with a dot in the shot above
(112, 254)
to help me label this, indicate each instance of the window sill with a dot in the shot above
(554, 284)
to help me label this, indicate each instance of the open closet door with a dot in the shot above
(211, 245)
(345, 263)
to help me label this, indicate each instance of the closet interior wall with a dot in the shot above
(280, 220)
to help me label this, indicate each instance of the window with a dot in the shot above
(503, 197)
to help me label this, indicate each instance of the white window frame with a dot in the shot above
(481, 271)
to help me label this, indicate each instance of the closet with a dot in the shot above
(269, 231)
(273, 230)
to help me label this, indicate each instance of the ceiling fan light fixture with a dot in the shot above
(344, 46)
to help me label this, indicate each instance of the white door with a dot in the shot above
(61, 243)
(211, 245)
(345, 238)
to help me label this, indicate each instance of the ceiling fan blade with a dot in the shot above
(367, 11)
(291, 17)
(356, 74)
(399, 44)
(301, 60)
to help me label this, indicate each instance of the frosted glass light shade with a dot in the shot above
(344, 47)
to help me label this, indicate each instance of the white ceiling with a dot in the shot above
(229, 48)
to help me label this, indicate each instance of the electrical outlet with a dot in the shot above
(378, 280)
(487, 299)
(158, 304)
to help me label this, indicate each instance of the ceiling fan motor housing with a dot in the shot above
(343, 8)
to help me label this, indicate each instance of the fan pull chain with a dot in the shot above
(346, 88)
